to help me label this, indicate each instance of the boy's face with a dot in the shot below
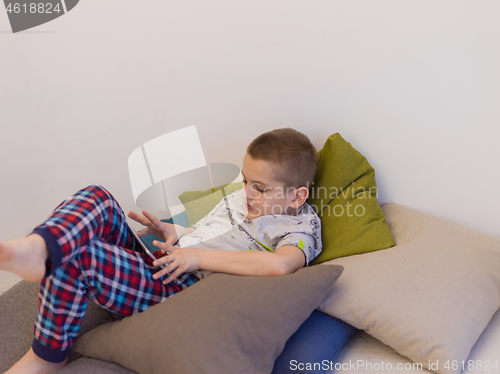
(263, 193)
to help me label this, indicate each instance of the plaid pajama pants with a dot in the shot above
(92, 255)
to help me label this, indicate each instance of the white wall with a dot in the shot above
(413, 85)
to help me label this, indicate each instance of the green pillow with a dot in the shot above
(199, 203)
(344, 195)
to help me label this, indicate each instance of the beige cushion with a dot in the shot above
(430, 296)
(224, 322)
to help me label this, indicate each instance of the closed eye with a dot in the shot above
(257, 189)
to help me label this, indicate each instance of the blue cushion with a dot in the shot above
(315, 345)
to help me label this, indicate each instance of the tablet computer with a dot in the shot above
(143, 246)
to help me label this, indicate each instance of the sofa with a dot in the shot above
(395, 289)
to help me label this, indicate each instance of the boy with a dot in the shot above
(84, 249)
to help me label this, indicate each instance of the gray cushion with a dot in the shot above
(18, 309)
(224, 322)
(85, 365)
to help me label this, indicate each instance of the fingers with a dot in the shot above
(164, 271)
(147, 219)
(166, 261)
(138, 218)
(142, 233)
(154, 220)
(177, 262)
(172, 268)
(173, 276)
(165, 247)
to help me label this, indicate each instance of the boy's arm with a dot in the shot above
(285, 260)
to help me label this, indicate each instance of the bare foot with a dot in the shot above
(32, 364)
(25, 257)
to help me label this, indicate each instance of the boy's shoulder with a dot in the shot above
(306, 222)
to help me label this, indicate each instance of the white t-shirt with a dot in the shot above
(226, 227)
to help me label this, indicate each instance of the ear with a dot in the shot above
(300, 196)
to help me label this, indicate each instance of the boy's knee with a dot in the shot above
(94, 187)
(94, 194)
(94, 190)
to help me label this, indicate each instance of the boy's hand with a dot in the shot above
(178, 261)
(166, 231)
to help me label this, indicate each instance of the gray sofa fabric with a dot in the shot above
(18, 310)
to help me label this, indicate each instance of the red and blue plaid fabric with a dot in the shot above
(92, 256)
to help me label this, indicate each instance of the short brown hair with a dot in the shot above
(292, 152)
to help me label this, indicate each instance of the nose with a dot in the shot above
(249, 192)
